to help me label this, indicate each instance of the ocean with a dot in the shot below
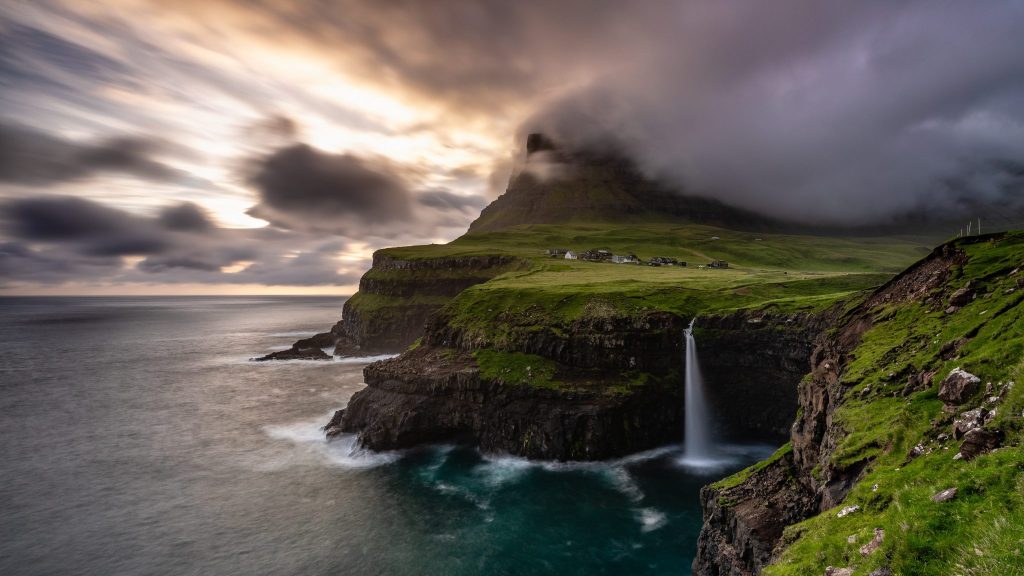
(136, 437)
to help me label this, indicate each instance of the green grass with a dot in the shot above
(745, 474)
(785, 273)
(981, 531)
(516, 369)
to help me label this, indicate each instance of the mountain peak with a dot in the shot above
(555, 184)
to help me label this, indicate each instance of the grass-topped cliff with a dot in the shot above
(885, 428)
(769, 271)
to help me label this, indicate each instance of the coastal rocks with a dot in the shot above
(296, 354)
(958, 387)
(333, 428)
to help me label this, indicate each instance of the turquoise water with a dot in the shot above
(138, 439)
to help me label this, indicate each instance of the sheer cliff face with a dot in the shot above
(556, 186)
(591, 389)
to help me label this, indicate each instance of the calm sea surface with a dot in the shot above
(137, 438)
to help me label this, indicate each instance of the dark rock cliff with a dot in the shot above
(619, 391)
(438, 395)
(397, 296)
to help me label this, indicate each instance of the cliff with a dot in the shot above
(396, 296)
(908, 417)
(601, 385)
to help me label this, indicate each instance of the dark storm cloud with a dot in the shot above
(301, 187)
(823, 111)
(185, 216)
(34, 158)
(93, 228)
(60, 239)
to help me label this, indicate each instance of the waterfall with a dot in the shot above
(698, 434)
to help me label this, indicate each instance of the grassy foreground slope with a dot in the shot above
(981, 530)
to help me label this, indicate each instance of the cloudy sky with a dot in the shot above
(264, 146)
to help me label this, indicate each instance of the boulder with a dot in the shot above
(958, 386)
(883, 571)
(980, 441)
(833, 571)
(962, 297)
(969, 420)
(945, 495)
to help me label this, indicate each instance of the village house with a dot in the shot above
(596, 255)
(665, 261)
(557, 252)
(718, 264)
(570, 255)
(627, 259)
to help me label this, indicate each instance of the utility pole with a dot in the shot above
(968, 227)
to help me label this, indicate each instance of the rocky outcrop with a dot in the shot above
(438, 395)
(958, 387)
(311, 348)
(743, 523)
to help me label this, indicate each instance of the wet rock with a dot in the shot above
(333, 428)
(296, 354)
(958, 386)
(874, 544)
(980, 441)
(945, 495)
(962, 297)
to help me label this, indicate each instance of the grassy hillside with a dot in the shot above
(981, 530)
(784, 272)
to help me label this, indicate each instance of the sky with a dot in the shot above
(263, 147)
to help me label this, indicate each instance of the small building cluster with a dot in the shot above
(602, 255)
(663, 261)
